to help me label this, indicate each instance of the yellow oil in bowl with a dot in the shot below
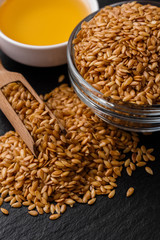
(41, 22)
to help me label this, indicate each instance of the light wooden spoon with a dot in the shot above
(7, 77)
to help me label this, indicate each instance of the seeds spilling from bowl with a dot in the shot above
(118, 53)
(72, 168)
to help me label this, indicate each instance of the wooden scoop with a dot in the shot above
(7, 77)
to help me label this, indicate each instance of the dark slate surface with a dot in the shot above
(119, 218)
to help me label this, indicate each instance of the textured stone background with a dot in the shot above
(119, 218)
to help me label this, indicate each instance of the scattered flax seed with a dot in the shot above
(4, 193)
(149, 170)
(130, 191)
(69, 201)
(14, 200)
(57, 208)
(111, 194)
(129, 171)
(63, 208)
(39, 210)
(8, 199)
(61, 78)
(4, 211)
(150, 157)
(1, 201)
(46, 209)
(33, 213)
(26, 203)
(143, 148)
(132, 166)
(87, 196)
(54, 216)
(92, 201)
(127, 163)
(52, 208)
(16, 205)
(141, 164)
(31, 207)
(93, 193)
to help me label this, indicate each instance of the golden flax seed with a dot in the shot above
(149, 170)
(92, 201)
(130, 191)
(54, 216)
(1, 201)
(4, 211)
(111, 194)
(33, 213)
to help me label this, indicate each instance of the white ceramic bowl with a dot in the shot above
(39, 56)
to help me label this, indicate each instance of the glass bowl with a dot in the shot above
(126, 116)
